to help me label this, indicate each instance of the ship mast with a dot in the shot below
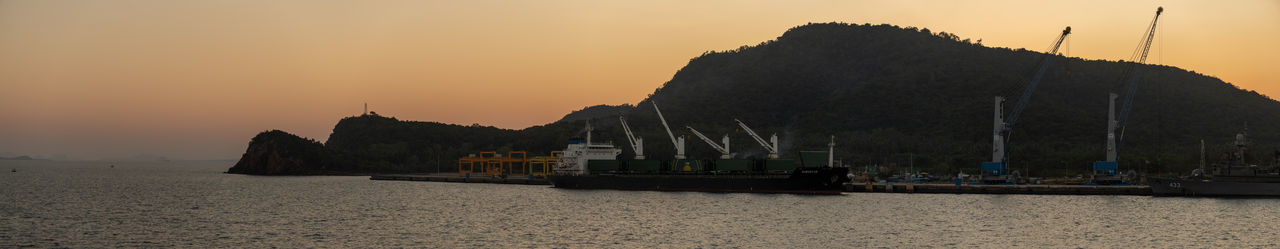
(831, 152)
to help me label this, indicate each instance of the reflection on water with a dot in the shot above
(192, 204)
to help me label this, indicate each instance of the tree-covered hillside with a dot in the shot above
(889, 94)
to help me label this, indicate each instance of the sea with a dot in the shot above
(193, 204)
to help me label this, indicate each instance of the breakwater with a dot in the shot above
(462, 178)
(922, 188)
(1030, 189)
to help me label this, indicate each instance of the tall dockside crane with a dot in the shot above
(637, 143)
(997, 170)
(677, 142)
(724, 150)
(771, 146)
(1105, 172)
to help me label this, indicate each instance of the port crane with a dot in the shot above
(724, 150)
(997, 170)
(637, 143)
(678, 142)
(1104, 172)
(771, 145)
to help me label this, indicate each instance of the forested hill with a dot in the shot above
(887, 93)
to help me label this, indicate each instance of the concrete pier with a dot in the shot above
(923, 188)
(522, 179)
(932, 188)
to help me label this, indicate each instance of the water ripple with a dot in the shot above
(191, 204)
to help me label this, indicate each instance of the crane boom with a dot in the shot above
(1143, 48)
(1104, 172)
(997, 167)
(637, 143)
(1035, 81)
(724, 150)
(771, 147)
(1002, 125)
(677, 142)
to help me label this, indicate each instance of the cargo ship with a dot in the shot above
(1233, 176)
(588, 165)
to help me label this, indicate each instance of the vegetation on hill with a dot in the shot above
(595, 112)
(377, 143)
(891, 96)
(277, 152)
(898, 96)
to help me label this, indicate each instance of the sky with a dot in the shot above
(91, 80)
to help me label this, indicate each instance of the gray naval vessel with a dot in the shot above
(1232, 176)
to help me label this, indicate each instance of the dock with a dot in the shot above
(920, 188)
(1032, 189)
(521, 179)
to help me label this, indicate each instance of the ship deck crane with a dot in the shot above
(1109, 168)
(771, 145)
(678, 142)
(998, 167)
(724, 150)
(637, 143)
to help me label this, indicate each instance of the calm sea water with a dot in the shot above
(193, 204)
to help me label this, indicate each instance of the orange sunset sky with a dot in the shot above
(196, 79)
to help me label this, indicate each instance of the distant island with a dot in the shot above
(894, 97)
(17, 158)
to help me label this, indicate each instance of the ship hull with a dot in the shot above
(1184, 187)
(827, 181)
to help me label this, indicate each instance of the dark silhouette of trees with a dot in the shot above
(883, 91)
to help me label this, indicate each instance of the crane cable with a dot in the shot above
(1159, 105)
(1138, 58)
